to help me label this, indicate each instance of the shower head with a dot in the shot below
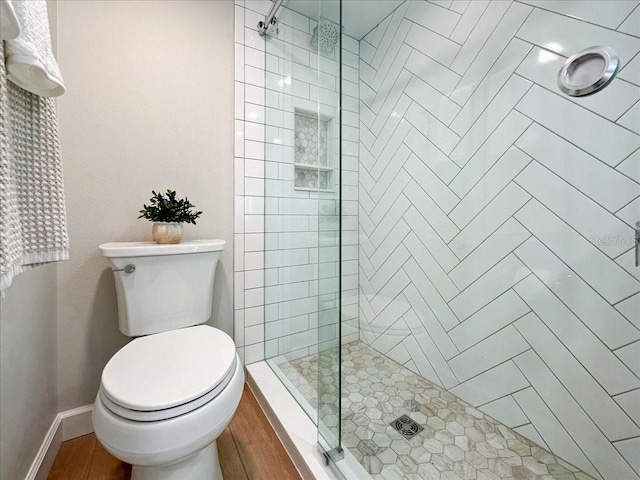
(325, 35)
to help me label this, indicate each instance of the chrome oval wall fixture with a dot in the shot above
(588, 71)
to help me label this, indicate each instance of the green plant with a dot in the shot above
(169, 209)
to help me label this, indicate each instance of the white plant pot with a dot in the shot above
(167, 232)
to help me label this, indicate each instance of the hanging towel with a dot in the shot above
(33, 223)
(9, 26)
(30, 61)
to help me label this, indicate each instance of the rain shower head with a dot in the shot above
(325, 35)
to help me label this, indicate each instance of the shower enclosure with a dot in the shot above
(449, 276)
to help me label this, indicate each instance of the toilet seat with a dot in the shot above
(167, 413)
(196, 363)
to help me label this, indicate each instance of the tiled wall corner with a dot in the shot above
(249, 180)
(301, 223)
(279, 233)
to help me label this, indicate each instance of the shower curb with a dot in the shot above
(294, 428)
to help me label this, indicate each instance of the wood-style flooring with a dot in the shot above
(249, 450)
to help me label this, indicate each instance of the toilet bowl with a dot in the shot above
(166, 396)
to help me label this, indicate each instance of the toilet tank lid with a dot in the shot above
(144, 249)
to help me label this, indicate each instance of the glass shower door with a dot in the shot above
(326, 37)
(302, 209)
(293, 163)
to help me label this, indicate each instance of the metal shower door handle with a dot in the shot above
(637, 245)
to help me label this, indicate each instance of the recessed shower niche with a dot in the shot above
(313, 152)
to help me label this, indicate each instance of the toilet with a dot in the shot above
(167, 395)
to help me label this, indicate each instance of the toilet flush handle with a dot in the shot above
(128, 269)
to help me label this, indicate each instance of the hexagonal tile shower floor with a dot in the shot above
(457, 441)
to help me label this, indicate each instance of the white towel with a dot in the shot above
(30, 61)
(33, 221)
(9, 26)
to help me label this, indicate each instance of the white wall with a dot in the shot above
(28, 358)
(28, 374)
(149, 105)
(496, 217)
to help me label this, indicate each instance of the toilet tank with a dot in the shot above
(168, 287)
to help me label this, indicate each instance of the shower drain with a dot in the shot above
(407, 427)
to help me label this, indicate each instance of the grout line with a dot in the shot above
(613, 167)
(625, 392)
(623, 114)
(485, 209)
(480, 81)
(624, 299)
(553, 413)
(438, 347)
(575, 19)
(612, 214)
(426, 356)
(476, 22)
(595, 250)
(568, 267)
(624, 346)
(491, 169)
(625, 19)
(434, 145)
(568, 350)
(573, 104)
(483, 44)
(624, 206)
(508, 394)
(499, 90)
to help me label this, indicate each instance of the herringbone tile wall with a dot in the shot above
(496, 217)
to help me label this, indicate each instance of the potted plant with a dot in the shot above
(169, 213)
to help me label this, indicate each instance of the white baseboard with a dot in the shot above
(76, 422)
(46, 453)
(65, 426)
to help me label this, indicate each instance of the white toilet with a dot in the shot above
(165, 397)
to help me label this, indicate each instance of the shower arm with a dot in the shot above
(269, 19)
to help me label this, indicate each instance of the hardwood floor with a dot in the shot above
(249, 450)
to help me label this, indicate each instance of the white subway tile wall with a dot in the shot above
(496, 217)
(286, 238)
